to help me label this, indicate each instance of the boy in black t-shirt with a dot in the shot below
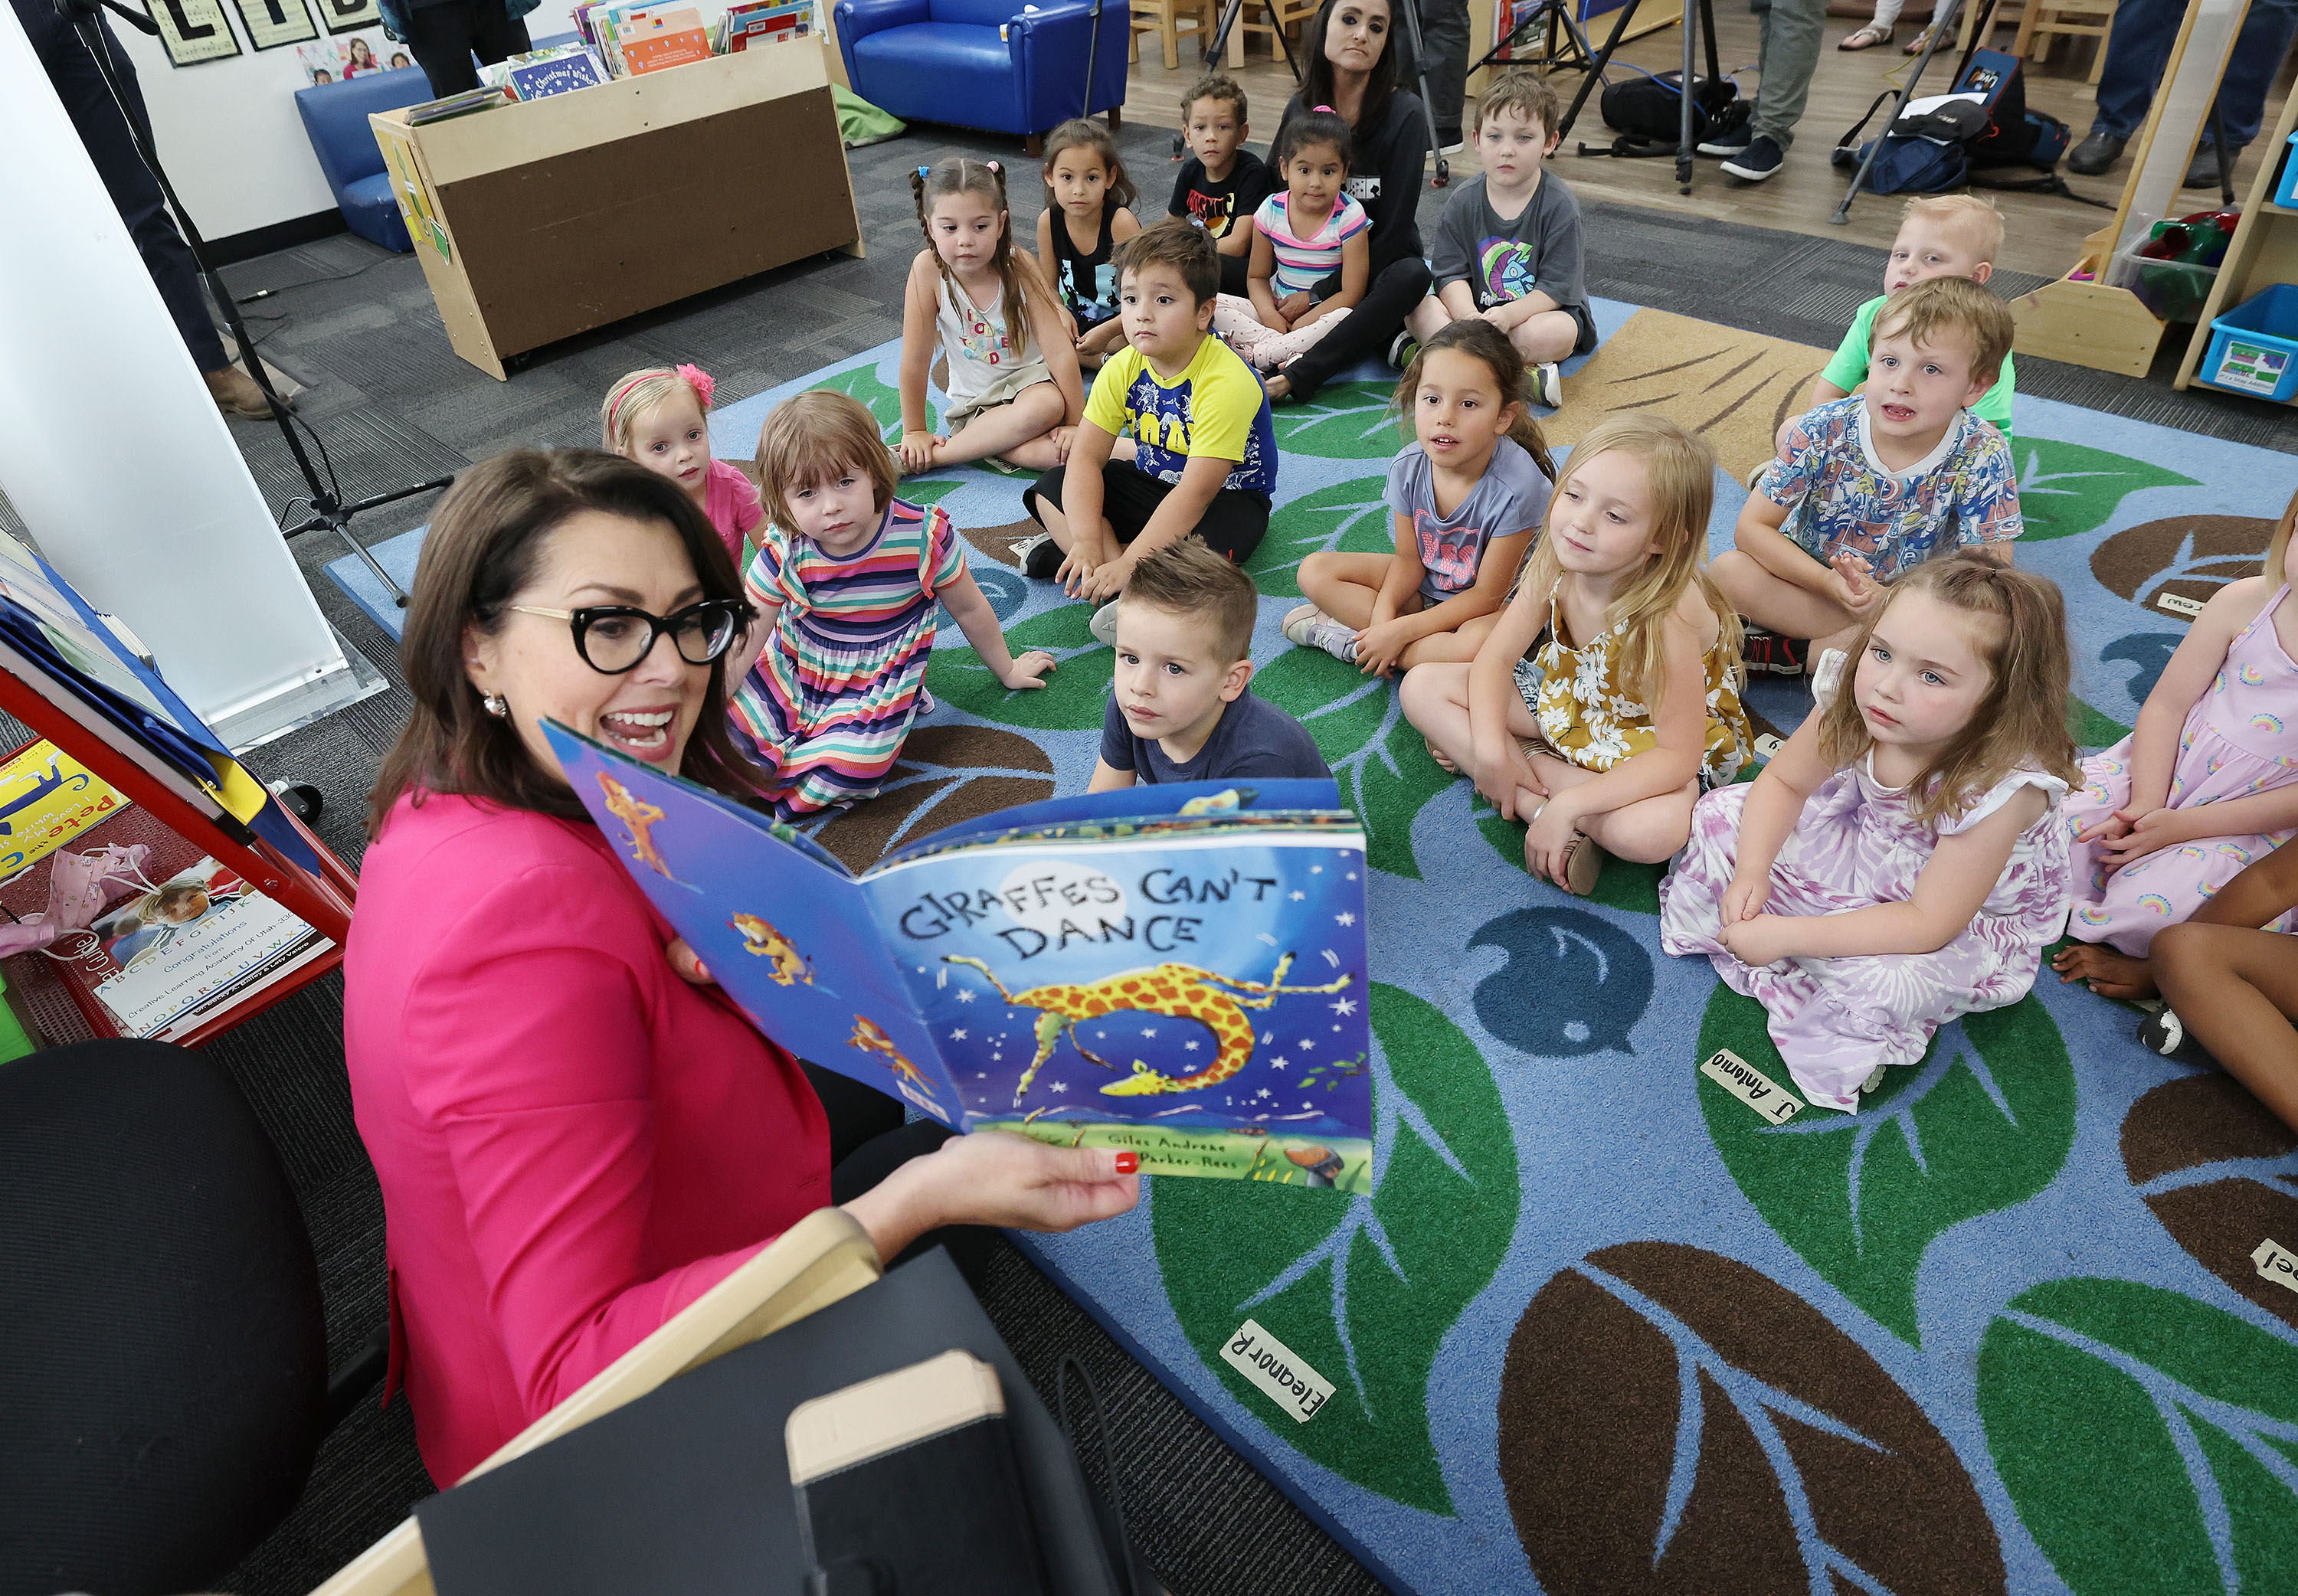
(1221, 183)
(1179, 706)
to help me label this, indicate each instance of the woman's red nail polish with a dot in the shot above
(1126, 1162)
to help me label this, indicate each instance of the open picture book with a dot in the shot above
(1176, 970)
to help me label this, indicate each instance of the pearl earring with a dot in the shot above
(496, 704)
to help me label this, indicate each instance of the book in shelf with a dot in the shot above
(652, 38)
(1176, 970)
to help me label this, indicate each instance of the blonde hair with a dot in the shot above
(2277, 547)
(1923, 310)
(633, 394)
(813, 436)
(2022, 722)
(1082, 133)
(1680, 473)
(1975, 219)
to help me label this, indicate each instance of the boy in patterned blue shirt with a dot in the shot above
(1867, 486)
(1204, 448)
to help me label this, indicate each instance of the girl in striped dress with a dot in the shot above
(849, 582)
(1301, 238)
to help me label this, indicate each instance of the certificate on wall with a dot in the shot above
(348, 16)
(193, 30)
(271, 23)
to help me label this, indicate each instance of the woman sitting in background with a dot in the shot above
(575, 1143)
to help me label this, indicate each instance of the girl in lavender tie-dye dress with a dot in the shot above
(1901, 860)
(2206, 784)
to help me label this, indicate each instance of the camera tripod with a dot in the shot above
(329, 512)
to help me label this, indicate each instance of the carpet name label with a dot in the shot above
(2179, 604)
(1750, 1086)
(1277, 1369)
(2277, 1263)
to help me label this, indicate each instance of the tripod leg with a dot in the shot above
(1943, 26)
(1626, 15)
(2226, 161)
(1411, 12)
(1684, 140)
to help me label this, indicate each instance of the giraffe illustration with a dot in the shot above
(638, 817)
(790, 967)
(868, 1038)
(1178, 991)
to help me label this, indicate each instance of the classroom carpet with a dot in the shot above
(1600, 1326)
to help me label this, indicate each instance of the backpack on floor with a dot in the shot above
(1649, 108)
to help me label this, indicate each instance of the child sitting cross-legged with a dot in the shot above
(1605, 698)
(1205, 451)
(1466, 498)
(1901, 860)
(1179, 706)
(851, 582)
(1867, 488)
(1222, 184)
(1507, 248)
(1300, 237)
(1087, 215)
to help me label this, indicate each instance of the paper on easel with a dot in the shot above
(2276, 1262)
(1751, 1086)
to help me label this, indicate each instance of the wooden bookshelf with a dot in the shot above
(2262, 251)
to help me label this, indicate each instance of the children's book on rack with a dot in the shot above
(149, 885)
(539, 74)
(1174, 970)
(763, 23)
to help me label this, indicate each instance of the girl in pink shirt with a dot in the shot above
(657, 417)
(576, 1135)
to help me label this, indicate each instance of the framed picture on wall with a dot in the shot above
(271, 23)
(348, 16)
(193, 30)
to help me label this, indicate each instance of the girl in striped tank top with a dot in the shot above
(850, 582)
(1301, 238)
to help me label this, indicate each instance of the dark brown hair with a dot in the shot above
(1317, 72)
(1177, 242)
(1082, 133)
(812, 436)
(485, 542)
(1480, 339)
(1189, 579)
(1527, 92)
(2022, 722)
(1218, 87)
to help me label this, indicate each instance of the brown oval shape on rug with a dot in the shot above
(2202, 1119)
(2225, 549)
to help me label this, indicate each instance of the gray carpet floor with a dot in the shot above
(393, 404)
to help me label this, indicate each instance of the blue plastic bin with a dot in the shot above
(2254, 346)
(2285, 193)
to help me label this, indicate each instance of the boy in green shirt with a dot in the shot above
(1940, 235)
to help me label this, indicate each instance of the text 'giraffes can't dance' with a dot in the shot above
(1176, 991)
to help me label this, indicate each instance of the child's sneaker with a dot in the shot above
(1548, 385)
(1401, 349)
(1309, 627)
(2165, 1033)
(1104, 625)
(1038, 554)
(1768, 654)
(1827, 676)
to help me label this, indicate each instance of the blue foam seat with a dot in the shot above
(335, 118)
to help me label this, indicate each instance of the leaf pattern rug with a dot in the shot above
(1601, 1327)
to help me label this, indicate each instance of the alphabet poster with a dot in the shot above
(271, 23)
(348, 16)
(193, 30)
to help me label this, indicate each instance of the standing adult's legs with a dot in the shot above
(134, 190)
(1367, 328)
(1789, 32)
(2250, 70)
(2136, 51)
(1444, 31)
(494, 35)
(441, 36)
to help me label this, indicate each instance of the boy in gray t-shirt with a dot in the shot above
(1508, 249)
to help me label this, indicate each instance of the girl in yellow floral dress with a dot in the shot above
(1607, 698)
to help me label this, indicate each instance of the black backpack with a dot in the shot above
(1967, 141)
(1647, 109)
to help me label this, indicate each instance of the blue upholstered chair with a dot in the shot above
(994, 64)
(335, 116)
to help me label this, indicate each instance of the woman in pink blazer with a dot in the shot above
(573, 1139)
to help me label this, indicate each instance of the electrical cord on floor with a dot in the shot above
(1122, 1552)
(249, 299)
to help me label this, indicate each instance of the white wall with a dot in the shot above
(229, 136)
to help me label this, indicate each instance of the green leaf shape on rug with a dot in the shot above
(2066, 489)
(1380, 761)
(1346, 421)
(1624, 885)
(1352, 515)
(1985, 1119)
(862, 383)
(2092, 730)
(1362, 1289)
(1074, 696)
(2150, 1441)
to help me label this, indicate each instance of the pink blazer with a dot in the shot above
(573, 1143)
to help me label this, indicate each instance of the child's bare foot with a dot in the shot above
(1442, 762)
(2110, 975)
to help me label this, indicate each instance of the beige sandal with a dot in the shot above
(1866, 38)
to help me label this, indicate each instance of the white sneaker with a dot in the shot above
(1309, 627)
(1023, 550)
(1104, 625)
(1548, 385)
(1827, 675)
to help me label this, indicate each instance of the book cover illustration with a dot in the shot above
(652, 39)
(1179, 970)
(539, 74)
(193, 940)
(46, 798)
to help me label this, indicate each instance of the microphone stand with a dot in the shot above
(330, 512)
